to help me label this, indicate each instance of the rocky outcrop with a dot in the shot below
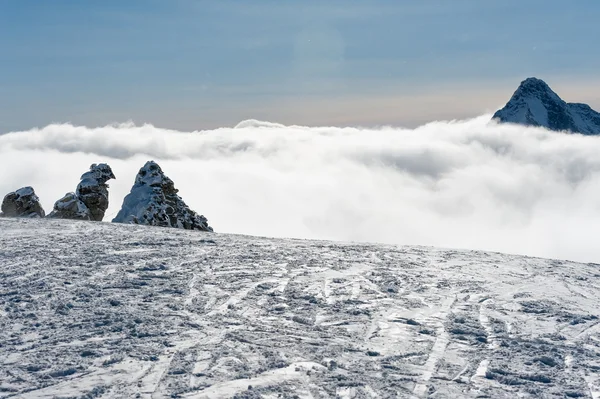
(90, 200)
(92, 190)
(535, 104)
(153, 201)
(70, 207)
(22, 203)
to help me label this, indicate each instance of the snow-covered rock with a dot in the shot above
(22, 203)
(70, 207)
(90, 201)
(535, 104)
(93, 190)
(153, 201)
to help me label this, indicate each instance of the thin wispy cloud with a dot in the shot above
(465, 184)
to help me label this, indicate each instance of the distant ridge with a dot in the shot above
(536, 104)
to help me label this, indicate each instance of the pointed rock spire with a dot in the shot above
(153, 201)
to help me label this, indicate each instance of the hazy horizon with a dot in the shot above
(195, 64)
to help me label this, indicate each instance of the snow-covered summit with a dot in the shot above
(534, 103)
(90, 200)
(153, 201)
(22, 203)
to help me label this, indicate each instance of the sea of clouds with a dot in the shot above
(465, 184)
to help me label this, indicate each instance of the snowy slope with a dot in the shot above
(535, 104)
(100, 310)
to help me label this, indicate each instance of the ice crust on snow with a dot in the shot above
(153, 201)
(535, 104)
(119, 311)
(22, 203)
(90, 200)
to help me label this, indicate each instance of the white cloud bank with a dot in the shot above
(466, 184)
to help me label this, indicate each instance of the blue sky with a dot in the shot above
(192, 64)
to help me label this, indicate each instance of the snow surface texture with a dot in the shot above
(90, 201)
(101, 310)
(22, 203)
(535, 104)
(153, 201)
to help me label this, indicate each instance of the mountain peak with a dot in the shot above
(534, 103)
(534, 82)
(534, 87)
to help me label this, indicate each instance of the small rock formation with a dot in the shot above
(22, 203)
(153, 201)
(92, 190)
(70, 207)
(535, 104)
(90, 200)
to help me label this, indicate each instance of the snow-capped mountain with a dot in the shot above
(535, 104)
(102, 310)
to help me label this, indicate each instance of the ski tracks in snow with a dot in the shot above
(439, 347)
(119, 311)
